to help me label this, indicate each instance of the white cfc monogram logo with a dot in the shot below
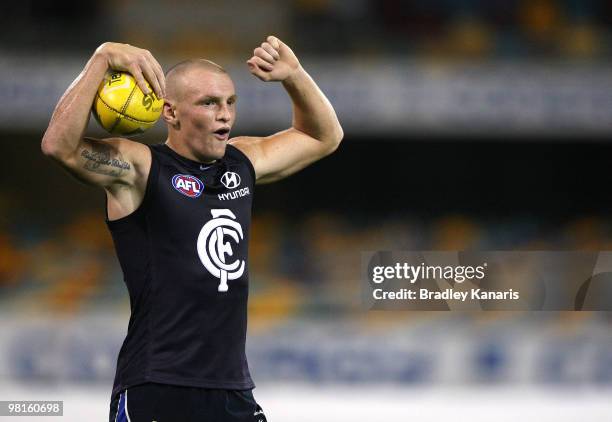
(213, 249)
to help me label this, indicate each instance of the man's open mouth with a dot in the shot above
(222, 132)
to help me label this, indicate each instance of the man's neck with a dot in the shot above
(180, 148)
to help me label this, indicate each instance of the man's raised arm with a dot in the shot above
(315, 131)
(111, 161)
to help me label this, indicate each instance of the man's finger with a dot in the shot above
(150, 75)
(271, 50)
(274, 42)
(260, 52)
(261, 63)
(257, 71)
(140, 80)
(159, 72)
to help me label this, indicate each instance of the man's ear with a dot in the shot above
(169, 114)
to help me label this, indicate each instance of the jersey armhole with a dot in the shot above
(246, 159)
(153, 173)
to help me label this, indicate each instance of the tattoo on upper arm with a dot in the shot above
(99, 160)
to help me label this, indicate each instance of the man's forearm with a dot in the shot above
(71, 114)
(313, 114)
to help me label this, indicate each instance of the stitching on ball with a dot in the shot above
(123, 115)
(129, 98)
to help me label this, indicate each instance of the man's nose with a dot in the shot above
(224, 113)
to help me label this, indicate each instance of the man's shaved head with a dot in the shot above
(175, 75)
(199, 108)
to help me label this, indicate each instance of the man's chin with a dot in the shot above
(218, 152)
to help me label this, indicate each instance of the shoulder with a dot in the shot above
(135, 157)
(252, 147)
(242, 149)
(137, 153)
(248, 145)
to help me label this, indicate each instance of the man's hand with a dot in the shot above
(139, 62)
(273, 61)
(315, 131)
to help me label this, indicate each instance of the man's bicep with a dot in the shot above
(282, 154)
(102, 162)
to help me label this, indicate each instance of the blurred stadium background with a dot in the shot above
(470, 124)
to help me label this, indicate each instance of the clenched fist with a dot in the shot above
(273, 61)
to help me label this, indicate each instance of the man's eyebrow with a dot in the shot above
(208, 97)
(215, 98)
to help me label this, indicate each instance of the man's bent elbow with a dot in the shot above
(51, 148)
(47, 147)
(339, 135)
(335, 139)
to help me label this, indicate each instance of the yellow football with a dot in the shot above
(122, 108)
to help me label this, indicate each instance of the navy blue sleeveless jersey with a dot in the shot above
(184, 256)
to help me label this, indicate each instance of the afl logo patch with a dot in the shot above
(230, 180)
(188, 185)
